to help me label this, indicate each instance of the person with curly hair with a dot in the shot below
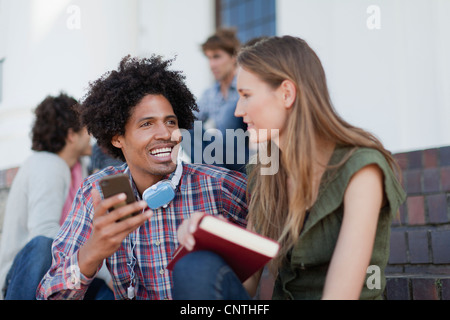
(137, 114)
(41, 194)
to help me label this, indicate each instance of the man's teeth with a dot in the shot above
(163, 152)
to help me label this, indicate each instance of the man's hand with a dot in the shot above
(107, 232)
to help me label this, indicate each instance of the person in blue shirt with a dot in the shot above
(227, 145)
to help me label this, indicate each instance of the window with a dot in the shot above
(251, 18)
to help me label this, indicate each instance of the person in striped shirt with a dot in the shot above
(136, 113)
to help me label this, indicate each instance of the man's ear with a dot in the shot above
(116, 141)
(70, 135)
(289, 92)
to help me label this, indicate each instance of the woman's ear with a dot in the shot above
(289, 92)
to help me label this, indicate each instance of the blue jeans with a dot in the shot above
(204, 275)
(29, 267)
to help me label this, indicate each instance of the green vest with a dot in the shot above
(303, 275)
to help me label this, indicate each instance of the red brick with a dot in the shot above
(440, 240)
(431, 180)
(444, 156)
(424, 289)
(416, 210)
(430, 158)
(402, 160)
(445, 289)
(413, 181)
(398, 289)
(398, 247)
(415, 159)
(418, 246)
(437, 208)
(445, 178)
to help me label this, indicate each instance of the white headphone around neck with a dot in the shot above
(162, 193)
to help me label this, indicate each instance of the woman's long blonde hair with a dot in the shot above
(271, 212)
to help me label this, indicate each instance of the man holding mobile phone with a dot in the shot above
(136, 113)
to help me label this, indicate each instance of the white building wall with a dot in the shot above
(54, 45)
(176, 29)
(393, 80)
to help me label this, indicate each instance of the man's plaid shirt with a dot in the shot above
(204, 188)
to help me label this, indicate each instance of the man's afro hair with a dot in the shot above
(108, 104)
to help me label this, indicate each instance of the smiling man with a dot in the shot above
(136, 113)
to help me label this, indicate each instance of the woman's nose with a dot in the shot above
(239, 111)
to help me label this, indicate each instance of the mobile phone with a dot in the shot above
(119, 183)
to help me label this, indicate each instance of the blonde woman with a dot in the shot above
(329, 204)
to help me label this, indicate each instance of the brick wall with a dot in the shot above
(419, 263)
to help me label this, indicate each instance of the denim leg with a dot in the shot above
(99, 290)
(28, 268)
(104, 292)
(204, 275)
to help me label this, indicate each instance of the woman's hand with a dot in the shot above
(187, 229)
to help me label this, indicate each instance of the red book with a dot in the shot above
(245, 252)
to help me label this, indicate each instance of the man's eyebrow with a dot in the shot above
(171, 116)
